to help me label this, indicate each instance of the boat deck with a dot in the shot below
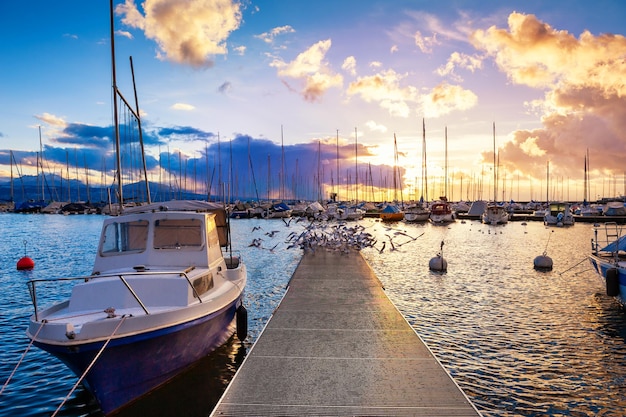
(336, 346)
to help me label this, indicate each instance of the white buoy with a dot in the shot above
(544, 262)
(438, 263)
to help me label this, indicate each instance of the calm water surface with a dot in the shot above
(518, 341)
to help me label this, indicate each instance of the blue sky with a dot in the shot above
(548, 73)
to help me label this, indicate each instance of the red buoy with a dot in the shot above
(25, 264)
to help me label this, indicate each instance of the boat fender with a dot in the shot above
(612, 282)
(242, 323)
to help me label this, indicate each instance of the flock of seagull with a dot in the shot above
(337, 237)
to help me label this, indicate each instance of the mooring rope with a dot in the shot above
(89, 367)
(572, 267)
(23, 355)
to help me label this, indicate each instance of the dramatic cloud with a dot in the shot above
(186, 32)
(311, 70)
(445, 98)
(582, 79)
(384, 88)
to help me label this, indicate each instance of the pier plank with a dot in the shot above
(336, 346)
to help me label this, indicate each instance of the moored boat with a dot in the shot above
(161, 296)
(441, 212)
(495, 214)
(391, 213)
(608, 258)
(559, 214)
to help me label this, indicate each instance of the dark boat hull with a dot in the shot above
(132, 366)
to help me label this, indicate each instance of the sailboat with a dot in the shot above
(441, 211)
(391, 212)
(494, 213)
(161, 296)
(558, 213)
(418, 212)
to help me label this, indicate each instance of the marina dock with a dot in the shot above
(337, 346)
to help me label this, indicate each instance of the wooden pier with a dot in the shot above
(336, 346)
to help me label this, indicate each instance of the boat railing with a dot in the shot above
(612, 234)
(32, 284)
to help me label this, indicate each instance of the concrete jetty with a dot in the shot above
(336, 346)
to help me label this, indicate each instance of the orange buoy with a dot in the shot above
(25, 264)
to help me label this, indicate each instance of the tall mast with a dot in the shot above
(445, 180)
(356, 166)
(11, 158)
(282, 165)
(337, 159)
(118, 157)
(143, 154)
(495, 175)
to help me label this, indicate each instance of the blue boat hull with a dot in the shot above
(132, 366)
(601, 267)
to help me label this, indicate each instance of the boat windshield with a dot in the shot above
(177, 233)
(124, 237)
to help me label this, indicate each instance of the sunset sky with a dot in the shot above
(550, 75)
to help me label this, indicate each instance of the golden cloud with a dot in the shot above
(445, 98)
(384, 88)
(185, 32)
(311, 70)
(584, 102)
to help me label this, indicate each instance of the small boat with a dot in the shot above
(161, 296)
(614, 208)
(495, 214)
(391, 213)
(441, 211)
(416, 213)
(608, 258)
(559, 214)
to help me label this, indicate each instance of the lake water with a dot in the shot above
(518, 341)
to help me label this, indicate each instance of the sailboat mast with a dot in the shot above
(495, 176)
(11, 158)
(118, 157)
(356, 166)
(424, 166)
(337, 160)
(143, 154)
(445, 183)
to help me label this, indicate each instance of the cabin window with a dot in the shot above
(177, 234)
(125, 237)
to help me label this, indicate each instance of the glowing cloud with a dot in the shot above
(384, 88)
(583, 80)
(445, 98)
(185, 32)
(52, 120)
(311, 70)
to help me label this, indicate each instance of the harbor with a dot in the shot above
(516, 341)
(309, 360)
